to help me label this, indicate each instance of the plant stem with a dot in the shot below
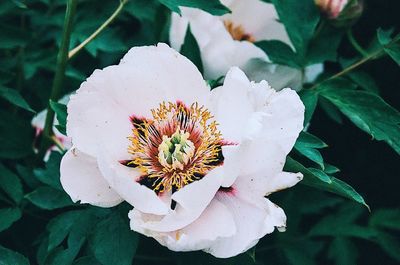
(371, 56)
(75, 50)
(61, 65)
(355, 44)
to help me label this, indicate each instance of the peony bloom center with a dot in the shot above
(237, 31)
(178, 146)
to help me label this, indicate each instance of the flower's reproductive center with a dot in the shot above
(237, 31)
(178, 146)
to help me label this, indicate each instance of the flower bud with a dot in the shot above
(341, 12)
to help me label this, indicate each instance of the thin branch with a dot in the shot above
(62, 58)
(355, 43)
(75, 50)
(371, 56)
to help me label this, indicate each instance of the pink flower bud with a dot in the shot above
(332, 8)
(341, 12)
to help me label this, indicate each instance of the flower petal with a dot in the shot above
(260, 184)
(284, 119)
(229, 53)
(82, 180)
(191, 201)
(146, 77)
(225, 101)
(124, 181)
(258, 19)
(215, 222)
(214, 42)
(253, 220)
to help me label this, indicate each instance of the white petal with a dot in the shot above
(82, 180)
(191, 201)
(263, 156)
(145, 77)
(231, 106)
(230, 53)
(215, 222)
(205, 27)
(284, 119)
(282, 181)
(258, 19)
(231, 166)
(177, 31)
(253, 220)
(214, 42)
(260, 184)
(124, 181)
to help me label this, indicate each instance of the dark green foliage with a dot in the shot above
(211, 6)
(327, 221)
(61, 114)
(191, 50)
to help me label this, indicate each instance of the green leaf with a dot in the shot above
(60, 226)
(310, 100)
(330, 169)
(386, 218)
(10, 184)
(191, 50)
(61, 112)
(27, 176)
(367, 111)
(12, 37)
(324, 46)
(334, 226)
(389, 244)
(63, 256)
(320, 180)
(311, 141)
(8, 217)
(343, 251)
(113, 242)
(214, 7)
(144, 10)
(51, 174)
(306, 145)
(48, 198)
(15, 98)
(330, 110)
(391, 47)
(88, 260)
(9, 257)
(16, 137)
(364, 80)
(321, 175)
(279, 52)
(107, 41)
(300, 19)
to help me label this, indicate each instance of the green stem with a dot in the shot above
(355, 43)
(61, 65)
(320, 27)
(367, 58)
(75, 50)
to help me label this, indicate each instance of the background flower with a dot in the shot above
(229, 37)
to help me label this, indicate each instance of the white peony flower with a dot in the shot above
(227, 41)
(195, 164)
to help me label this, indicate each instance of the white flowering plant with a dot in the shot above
(199, 132)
